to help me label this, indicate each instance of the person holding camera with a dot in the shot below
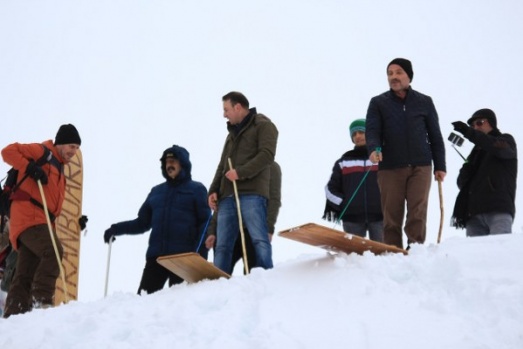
(485, 204)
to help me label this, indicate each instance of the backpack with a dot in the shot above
(10, 186)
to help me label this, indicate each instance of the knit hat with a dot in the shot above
(405, 64)
(484, 114)
(357, 125)
(67, 134)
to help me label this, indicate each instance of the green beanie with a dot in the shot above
(357, 125)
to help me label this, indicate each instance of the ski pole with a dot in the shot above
(108, 265)
(55, 247)
(352, 197)
(240, 221)
(456, 149)
(203, 233)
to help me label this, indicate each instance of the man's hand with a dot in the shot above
(232, 175)
(34, 171)
(109, 235)
(209, 242)
(461, 127)
(82, 221)
(212, 200)
(439, 175)
(376, 157)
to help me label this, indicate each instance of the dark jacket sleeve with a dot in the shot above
(435, 138)
(334, 188)
(220, 171)
(274, 202)
(139, 225)
(267, 135)
(373, 126)
(502, 146)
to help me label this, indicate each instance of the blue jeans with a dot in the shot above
(254, 217)
(489, 224)
(375, 229)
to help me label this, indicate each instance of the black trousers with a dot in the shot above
(154, 277)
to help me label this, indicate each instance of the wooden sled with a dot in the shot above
(68, 230)
(335, 240)
(191, 267)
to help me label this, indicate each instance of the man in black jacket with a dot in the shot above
(403, 124)
(487, 181)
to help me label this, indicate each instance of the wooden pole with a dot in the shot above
(240, 221)
(441, 210)
(58, 260)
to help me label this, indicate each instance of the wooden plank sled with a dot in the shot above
(191, 267)
(68, 230)
(336, 241)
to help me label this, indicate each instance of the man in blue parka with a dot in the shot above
(176, 212)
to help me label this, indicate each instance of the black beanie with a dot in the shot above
(67, 134)
(484, 113)
(405, 64)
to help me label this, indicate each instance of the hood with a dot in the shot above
(182, 155)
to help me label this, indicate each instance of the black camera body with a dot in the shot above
(455, 139)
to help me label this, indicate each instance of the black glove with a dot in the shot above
(36, 172)
(82, 221)
(461, 127)
(109, 234)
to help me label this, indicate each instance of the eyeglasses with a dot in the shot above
(479, 123)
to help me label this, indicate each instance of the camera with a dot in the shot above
(455, 139)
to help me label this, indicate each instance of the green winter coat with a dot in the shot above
(251, 150)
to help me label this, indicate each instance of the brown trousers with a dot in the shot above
(36, 271)
(410, 184)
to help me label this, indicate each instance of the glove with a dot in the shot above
(461, 127)
(109, 234)
(82, 221)
(36, 172)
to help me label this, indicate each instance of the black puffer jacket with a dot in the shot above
(487, 181)
(407, 131)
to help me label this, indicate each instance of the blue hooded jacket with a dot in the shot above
(175, 211)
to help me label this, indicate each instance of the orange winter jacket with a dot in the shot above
(24, 213)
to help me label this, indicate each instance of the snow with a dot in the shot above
(463, 293)
(138, 76)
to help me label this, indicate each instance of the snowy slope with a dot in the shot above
(463, 293)
(137, 76)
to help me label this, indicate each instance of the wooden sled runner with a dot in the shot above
(335, 240)
(191, 267)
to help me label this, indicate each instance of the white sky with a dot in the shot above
(138, 76)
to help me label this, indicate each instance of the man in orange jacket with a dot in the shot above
(37, 268)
